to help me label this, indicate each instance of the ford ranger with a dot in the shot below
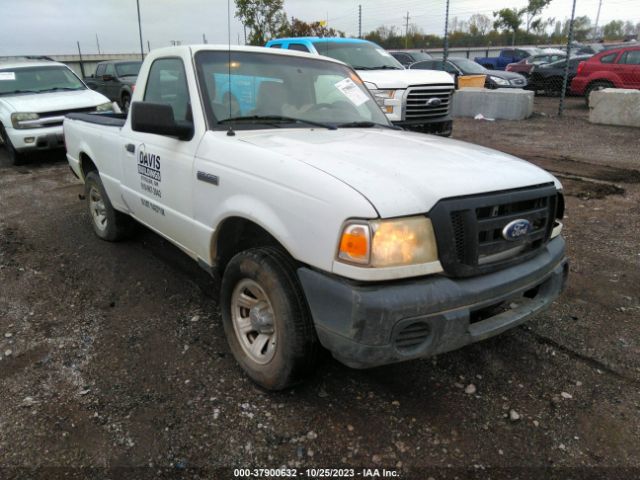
(414, 100)
(327, 226)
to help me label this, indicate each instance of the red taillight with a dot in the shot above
(580, 68)
(133, 88)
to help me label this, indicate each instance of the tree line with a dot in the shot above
(266, 19)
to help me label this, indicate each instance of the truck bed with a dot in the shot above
(106, 119)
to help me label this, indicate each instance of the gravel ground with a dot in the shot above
(113, 361)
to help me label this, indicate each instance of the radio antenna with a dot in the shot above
(230, 132)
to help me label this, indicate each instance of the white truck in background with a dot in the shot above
(327, 226)
(35, 95)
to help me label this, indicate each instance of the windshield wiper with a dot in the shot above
(269, 119)
(19, 91)
(58, 89)
(363, 124)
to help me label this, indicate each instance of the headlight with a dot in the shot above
(105, 107)
(383, 98)
(18, 117)
(498, 80)
(389, 243)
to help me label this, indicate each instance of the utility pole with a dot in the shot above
(360, 21)
(566, 63)
(595, 29)
(446, 34)
(140, 30)
(148, 46)
(204, 39)
(98, 43)
(81, 64)
(406, 33)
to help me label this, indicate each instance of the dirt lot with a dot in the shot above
(113, 355)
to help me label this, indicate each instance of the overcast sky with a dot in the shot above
(54, 26)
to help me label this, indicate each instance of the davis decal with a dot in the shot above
(149, 168)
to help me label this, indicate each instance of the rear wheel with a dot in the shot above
(15, 157)
(266, 318)
(107, 223)
(594, 87)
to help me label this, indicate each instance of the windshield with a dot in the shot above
(38, 80)
(266, 89)
(128, 69)
(468, 67)
(360, 55)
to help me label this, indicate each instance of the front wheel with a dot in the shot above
(266, 318)
(107, 222)
(15, 157)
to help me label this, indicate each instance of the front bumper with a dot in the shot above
(439, 125)
(367, 325)
(42, 138)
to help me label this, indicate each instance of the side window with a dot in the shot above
(299, 47)
(100, 70)
(632, 57)
(167, 83)
(275, 45)
(609, 58)
(403, 58)
(110, 70)
(450, 68)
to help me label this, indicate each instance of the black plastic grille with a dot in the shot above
(469, 229)
(412, 335)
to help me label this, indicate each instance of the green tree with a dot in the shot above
(510, 20)
(613, 30)
(264, 19)
(298, 28)
(581, 28)
(533, 9)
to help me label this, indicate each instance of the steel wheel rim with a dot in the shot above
(253, 321)
(97, 209)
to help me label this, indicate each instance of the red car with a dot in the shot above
(618, 68)
(526, 65)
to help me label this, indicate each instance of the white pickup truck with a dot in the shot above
(326, 225)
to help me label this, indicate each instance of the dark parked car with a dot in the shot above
(115, 80)
(608, 69)
(464, 66)
(526, 65)
(549, 77)
(407, 57)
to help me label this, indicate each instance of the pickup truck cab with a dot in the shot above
(116, 80)
(327, 226)
(35, 95)
(507, 56)
(414, 100)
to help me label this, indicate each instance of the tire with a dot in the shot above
(553, 86)
(597, 85)
(15, 157)
(266, 318)
(107, 223)
(125, 102)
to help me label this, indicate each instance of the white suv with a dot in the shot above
(35, 95)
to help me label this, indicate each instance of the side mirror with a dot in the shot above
(149, 117)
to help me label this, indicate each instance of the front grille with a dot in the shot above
(469, 229)
(417, 98)
(412, 336)
(50, 119)
(518, 81)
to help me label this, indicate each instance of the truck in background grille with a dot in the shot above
(469, 229)
(427, 101)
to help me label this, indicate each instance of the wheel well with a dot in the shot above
(235, 235)
(602, 80)
(86, 165)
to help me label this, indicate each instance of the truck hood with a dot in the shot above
(402, 173)
(54, 101)
(402, 79)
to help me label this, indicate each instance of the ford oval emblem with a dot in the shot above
(516, 229)
(434, 102)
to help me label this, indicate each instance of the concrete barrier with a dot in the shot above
(499, 104)
(615, 106)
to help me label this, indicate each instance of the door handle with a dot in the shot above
(130, 147)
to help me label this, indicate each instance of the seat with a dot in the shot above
(271, 98)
